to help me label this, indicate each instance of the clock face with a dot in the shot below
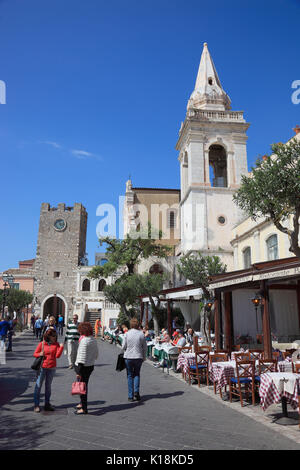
(60, 224)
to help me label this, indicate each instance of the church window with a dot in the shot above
(210, 81)
(247, 257)
(218, 166)
(101, 285)
(171, 219)
(272, 247)
(56, 275)
(86, 285)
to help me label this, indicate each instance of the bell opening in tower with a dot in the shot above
(218, 166)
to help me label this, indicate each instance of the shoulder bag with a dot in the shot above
(38, 360)
(120, 363)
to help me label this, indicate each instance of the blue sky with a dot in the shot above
(97, 90)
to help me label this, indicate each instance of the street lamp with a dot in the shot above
(8, 280)
(256, 302)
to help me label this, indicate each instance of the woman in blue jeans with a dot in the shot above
(135, 349)
(50, 350)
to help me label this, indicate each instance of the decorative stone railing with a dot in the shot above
(216, 115)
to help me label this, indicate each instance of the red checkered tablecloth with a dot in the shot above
(269, 393)
(221, 372)
(185, 360)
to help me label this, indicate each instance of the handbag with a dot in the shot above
(120, 363)
(37, 363)
(78, 388)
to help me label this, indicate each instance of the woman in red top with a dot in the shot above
(52, 351)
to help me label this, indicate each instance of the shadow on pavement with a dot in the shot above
(126, 406)
(14, 382)
(19, 433)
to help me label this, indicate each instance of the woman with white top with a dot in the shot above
(84, 365)
(135, 350)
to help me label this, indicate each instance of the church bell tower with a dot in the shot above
(213, 158)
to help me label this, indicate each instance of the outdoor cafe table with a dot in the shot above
(165, 351)
(219, 372)
(276, 387)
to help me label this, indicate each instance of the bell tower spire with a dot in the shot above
(208, 92)
(213, 157)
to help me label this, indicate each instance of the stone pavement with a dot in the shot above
(171, 415)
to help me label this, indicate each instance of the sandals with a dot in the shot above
(80, 412)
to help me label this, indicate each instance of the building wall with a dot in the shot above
(143, 205)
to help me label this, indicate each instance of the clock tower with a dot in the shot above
(60, 250)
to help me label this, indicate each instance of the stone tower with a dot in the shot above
(60, 250)
(213, 157)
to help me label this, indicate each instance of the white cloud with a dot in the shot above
(53, 144)
(81, 154)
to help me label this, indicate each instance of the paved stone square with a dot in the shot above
(171, 416)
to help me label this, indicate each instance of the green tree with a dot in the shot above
(198, 268)
(273, 191)
(123, 292)
(150, 285)
(16, 300)
(126, 254)
(129, 252)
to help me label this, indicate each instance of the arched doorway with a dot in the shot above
(55, 306)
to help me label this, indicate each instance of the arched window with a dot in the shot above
(101, 285)
(156, 269)
(218, 166)
(171, 218)
(86, 285)
(272, 247)
(247, 257)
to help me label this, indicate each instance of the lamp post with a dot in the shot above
(8, 281)
(256, 302)
(208, 303)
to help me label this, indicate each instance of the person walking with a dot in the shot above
(32, 322)
(97, 327)
(60, 324)
(51, 350)
(10, 333)
(72, 337)
(49, 324)
(86, 356)
(38, 327)
(135, 350)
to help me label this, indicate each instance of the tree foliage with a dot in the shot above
(198, 268)
(124, 256)
(128, 252)
(273, 191)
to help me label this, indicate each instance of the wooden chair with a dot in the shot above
(265, 365)
(200, 368)
(245, 379)
(256, 354)
(245, 356)
(184, 349)
(196, 343)
(223, 351)
(218, 357)
(205, 348)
